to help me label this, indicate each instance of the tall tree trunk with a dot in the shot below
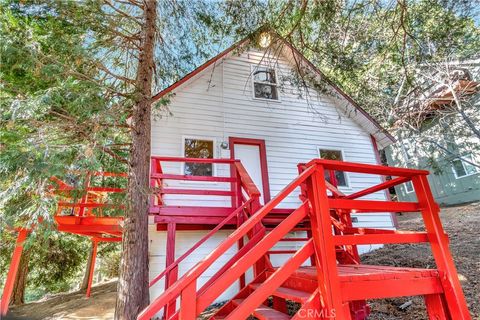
(18, 295)
(133, 293)
(86, 276)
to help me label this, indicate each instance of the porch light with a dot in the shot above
(265, 39)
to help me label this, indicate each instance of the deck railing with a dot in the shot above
(239, 187)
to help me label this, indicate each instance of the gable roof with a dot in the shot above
(362, 117)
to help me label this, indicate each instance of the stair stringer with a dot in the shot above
(266, 288)
(243, 293)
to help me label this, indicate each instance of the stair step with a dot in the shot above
(263, 312)
(287, 293)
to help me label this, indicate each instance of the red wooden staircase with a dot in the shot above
(335, 285)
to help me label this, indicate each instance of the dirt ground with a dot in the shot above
(461, 223)
(71, 306)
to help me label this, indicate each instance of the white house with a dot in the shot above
(246, 104)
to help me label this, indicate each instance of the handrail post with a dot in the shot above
(172, 275)
(440, 249)
(155, 167)
(188, 302)
(92, 267)
(12, 271)
(326, 262)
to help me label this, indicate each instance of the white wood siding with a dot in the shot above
(219, 104)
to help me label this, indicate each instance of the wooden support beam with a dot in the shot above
(92, 268)
(172, 275)
(366, 168)
(439, 243)
(379, 187)
(12, 271)
(373, 205)
(390, 238)
(191, 178)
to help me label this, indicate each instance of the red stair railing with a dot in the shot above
(186, 286)
(244, 196)
(325, 244)
(329, 210)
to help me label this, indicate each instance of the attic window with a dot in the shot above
(409, 186)
(265, 84)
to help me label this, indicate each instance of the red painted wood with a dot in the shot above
(197, 160)
(247, 182)
(194, 273)
(191, 178)
(366, 168)
(380, 238)
(198, 244)
(293, 239)
(326, 262)
(108, 229)
(193, 211)
(197, 192)
(281, 251)
(92, 220)
(226, 267)
(343, 288)
(12, 271)
(436, 307)
(88, 205)
(242, 265)
(287, 293)
(379, 187)
(201, 221)
(439, 243)
(196, 227)
(389, 288)
(373, 205)
(92, 268)
(187, 302)
(172, 273)
(262, 312)
(272, 283)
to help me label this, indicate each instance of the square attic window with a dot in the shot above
(265, 85)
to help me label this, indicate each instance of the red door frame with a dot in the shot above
(263, 160)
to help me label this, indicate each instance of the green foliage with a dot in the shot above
(55, 116)
(110, 263)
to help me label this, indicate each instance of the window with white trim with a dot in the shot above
(409, 186)
(265, 83)
(198, 148)
(462, 168)
(330, 154)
